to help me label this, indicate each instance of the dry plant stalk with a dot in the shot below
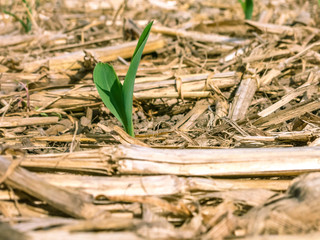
(74, 204)
(130, 159)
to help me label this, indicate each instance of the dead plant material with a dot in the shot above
(68, 202)
(293, 212)
(226, 113)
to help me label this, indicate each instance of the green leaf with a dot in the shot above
(128, 84)
(117, 97)
(26, 26)
(247, 7)
(110, 90)
(242, 4)
(27, 5)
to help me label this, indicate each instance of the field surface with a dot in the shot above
(226, 115)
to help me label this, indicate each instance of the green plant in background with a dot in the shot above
(117, 97)
(27, 25)
(247, 7)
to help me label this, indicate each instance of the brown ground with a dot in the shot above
(209, 80)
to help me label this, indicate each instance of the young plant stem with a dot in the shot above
(118, 98)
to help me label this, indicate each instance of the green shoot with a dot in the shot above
(247, 7)
(117, 97)
(26, 25)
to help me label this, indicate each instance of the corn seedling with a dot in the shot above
(117, 97)
(27, 25)
(247, 6)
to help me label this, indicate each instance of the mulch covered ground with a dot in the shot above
(226, 116)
